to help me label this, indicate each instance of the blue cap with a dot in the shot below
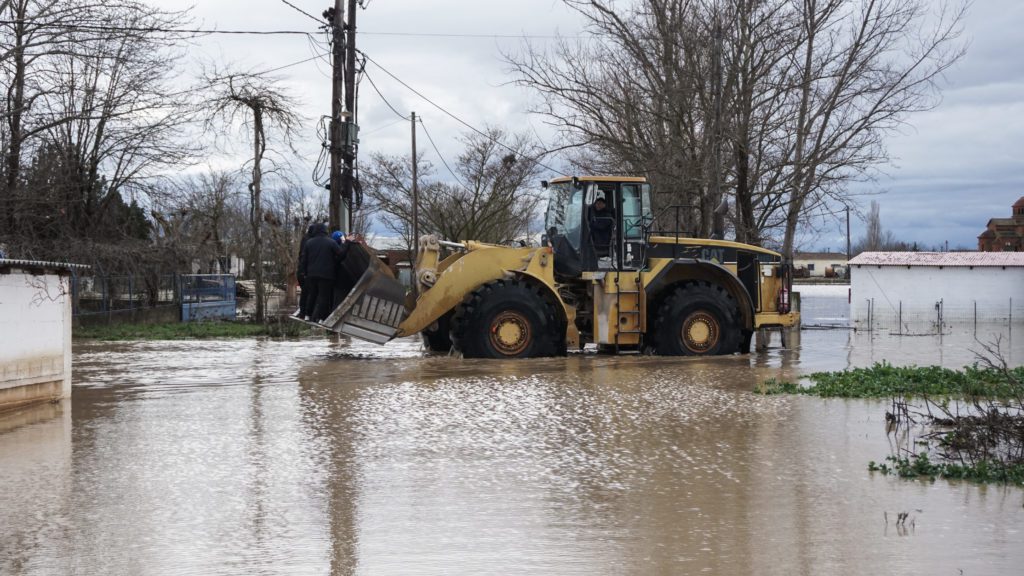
(337, 236)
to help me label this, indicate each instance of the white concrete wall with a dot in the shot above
(961, 290)
(35, 337)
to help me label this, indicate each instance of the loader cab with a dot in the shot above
(586, 238)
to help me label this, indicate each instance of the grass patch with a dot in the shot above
(194, 330)
(921, 466)
(884, 381)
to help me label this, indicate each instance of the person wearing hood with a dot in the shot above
(300, 275)
(319, 265)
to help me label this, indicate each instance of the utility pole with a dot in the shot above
(343, 126)
(848, 255)
(415, 194)
(338, 212)
(351, 128)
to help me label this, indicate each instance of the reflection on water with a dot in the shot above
(242, 457)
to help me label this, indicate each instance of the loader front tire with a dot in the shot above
(699, 319)
(506, 319)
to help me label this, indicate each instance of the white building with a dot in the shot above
(820, 264)
(35, 332)
(900, 291)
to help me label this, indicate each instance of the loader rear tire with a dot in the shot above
(507, 319)
(699, 319)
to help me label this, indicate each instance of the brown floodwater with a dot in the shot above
(322, 457)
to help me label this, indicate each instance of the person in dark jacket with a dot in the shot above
(602, 223)
(300, 275)
(320, 267)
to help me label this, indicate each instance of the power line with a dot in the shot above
(482, 36)
(384, 127)
(259, 73)
(301, 11)
(460, 120)
(104, 28)
(439, 155)
(377, 90)
(99, 28)
(317, 57)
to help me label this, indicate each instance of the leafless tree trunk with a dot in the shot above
(256, 102)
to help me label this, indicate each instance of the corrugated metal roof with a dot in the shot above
(14, 263)
(939, 259)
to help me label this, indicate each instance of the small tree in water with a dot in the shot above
(257, 103)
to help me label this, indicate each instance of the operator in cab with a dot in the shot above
(602, 225)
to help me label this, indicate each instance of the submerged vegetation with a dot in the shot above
(194, 330)
(884, 380)
(956, 424)
(920, 465)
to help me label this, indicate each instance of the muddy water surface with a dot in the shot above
(317, 457)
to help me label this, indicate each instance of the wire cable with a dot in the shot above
(301, 11)
(384, 127)
(460, 120)
(482, 36)
(144, 29)
(377, 90)
(441, 156)
(317, 57)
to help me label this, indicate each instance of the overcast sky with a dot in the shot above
(953, 168)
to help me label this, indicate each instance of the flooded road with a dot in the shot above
(315, 457)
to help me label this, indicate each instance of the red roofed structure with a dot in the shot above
(1005, 234)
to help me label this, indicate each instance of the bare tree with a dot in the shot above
(780, 102)
(861, 68)
(210, 200)
(491, 199)
(88, 124)
(876, 238)
(257, 103)
(290, 211)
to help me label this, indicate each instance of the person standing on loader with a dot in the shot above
(319, 265)
(300, 275)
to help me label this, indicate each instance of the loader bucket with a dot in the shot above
(375, 306)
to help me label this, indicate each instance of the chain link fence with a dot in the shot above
(913, 318)
(93, 295)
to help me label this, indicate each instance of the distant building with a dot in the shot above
(900, 289)
(1005, 234)
(819, 264)
(400, 263)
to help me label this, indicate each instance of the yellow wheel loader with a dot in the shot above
(600, 276)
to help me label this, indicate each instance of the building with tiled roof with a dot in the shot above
(1005, 234)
